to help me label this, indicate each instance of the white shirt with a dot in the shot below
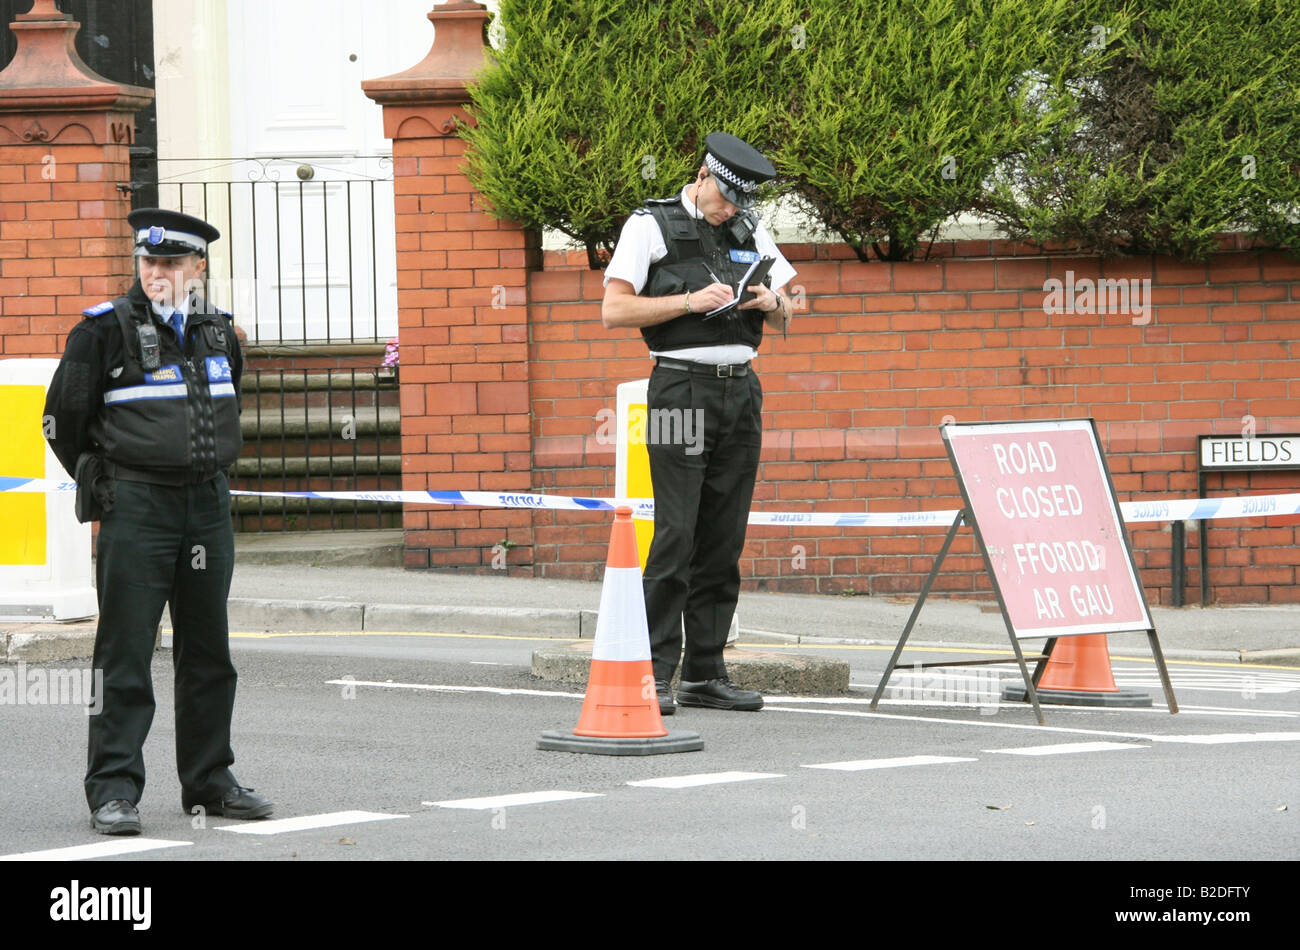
(641, 244)
(165, 310)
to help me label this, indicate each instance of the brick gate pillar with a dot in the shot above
(65, 136)
(463, 313)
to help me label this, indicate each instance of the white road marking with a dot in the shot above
(985, 722)
(1001, 705)
(509, 801)
(1239, 688)
(704, 778)
(1150, 737)
(305, 822)
(1008, 704)
(1247, 681)
(1255, 680)
(864, 764)
(106, 849)
(500, 691)
(842, 700)
(779, 704)
(1220, 711)
(1068, 747)
(1233, 737)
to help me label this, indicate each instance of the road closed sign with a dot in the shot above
(1046, 516)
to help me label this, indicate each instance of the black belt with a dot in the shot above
(156, 477)
(720, 370)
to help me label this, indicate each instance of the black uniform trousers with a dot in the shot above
(703, 486)
(164, 544)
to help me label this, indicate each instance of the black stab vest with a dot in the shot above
(695, 248)
(182, 417)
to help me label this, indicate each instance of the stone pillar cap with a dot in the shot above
(48, 75)
(457, 54)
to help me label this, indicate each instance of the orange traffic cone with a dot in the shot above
(620, 715)
(1078, 674)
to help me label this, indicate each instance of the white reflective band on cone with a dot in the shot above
(622, 633)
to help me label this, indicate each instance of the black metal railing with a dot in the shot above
(318, 430)
(307, 254)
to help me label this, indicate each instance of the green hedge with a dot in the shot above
(595, 105)
(1119, 127)
(897, 112)
(1185, 130)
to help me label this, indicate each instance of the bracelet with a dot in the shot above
(688, 301)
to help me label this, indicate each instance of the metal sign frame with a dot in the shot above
(968, 515)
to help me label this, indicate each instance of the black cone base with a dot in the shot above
(675, 741)
(1071, 697)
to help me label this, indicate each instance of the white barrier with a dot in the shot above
(44, 550)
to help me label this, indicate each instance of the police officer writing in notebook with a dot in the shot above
(677, 260)
(143, 411)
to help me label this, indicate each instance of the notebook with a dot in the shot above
(757, 271)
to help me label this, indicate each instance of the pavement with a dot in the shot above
(353, 582)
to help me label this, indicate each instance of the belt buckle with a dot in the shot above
(728, 367)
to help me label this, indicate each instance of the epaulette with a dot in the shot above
(98, 310)
(664, 201)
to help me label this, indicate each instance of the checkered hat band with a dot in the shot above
(727, 175)
(179, 237)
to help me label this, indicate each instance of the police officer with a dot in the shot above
(143, 411)
(674, 275)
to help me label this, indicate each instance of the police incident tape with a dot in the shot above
(1188, 509)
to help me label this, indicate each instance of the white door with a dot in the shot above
(310, 207)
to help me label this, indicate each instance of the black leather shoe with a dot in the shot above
(720, 693)
(665, 693)
(238, 802)
(117, 817)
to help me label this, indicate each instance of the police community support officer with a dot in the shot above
(677, 259)
(145, 413)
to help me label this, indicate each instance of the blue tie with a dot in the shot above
(177, 322)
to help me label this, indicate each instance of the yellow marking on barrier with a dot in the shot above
(638, 474)
(22, 455)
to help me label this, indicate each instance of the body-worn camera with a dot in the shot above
(147, 334)
(742, 226)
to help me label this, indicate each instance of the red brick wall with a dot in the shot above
(64, 240)
(464, 341)
(855, 393)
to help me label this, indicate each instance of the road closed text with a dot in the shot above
(1072, 559)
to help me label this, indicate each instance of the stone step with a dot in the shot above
(298, 422)
(306, 525)
(297, 380)
(361, 548)
(332, 466)
(362, 389)
(252, 504)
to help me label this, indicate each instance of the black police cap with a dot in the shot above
(737, 166)
(162, 233)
